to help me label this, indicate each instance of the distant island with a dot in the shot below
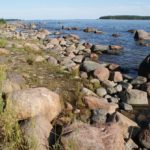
(126, 17)
(3, 21)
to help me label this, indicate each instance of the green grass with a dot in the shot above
(11, 136)
(3, 43)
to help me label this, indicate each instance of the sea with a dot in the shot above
(132, 54)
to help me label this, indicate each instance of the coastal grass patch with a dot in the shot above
(3, 42)
(11, 135)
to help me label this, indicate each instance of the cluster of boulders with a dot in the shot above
(142, 37)
(108, 93)
(112, 90)
(88, 29)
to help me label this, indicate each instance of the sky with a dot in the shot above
(71, 9)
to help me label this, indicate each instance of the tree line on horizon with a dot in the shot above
(126, 17)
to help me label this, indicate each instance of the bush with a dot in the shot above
(2, 21)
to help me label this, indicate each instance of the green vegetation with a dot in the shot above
(11, 136)
(3, 43)
(2, 21)
(126, 17)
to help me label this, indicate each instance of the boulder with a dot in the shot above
(78, 59)
(13, 82)
(89, 66)
(141, 35)
(39, 59)
(115, 47)
(101, 92)
(114, 67)
(137, 97)
(67, 63)
(127, 125)
(116, 76)
(139, 80)
(31, 46)
(44, 31)
(87, 92)
(132, 31)
(100, 103)
(37, 130)
(52, 60)
(81, 136)
(144, 69)
(54, 41)
(115, 35)
(33, 102)
(102, 73)
(99, 48)
(72, 37)
(4, 51)
(88, 29)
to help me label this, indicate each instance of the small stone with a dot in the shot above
(87, 92)
(101, 92)
(99, 116)
(126, 107)
(126, 86)
(83, 75)
(69, 107)
(119, 88)
(39, 59)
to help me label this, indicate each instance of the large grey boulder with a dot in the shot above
(141, 35)
(34, 102)
(89, 66)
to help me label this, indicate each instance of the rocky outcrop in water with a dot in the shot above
(141, 35)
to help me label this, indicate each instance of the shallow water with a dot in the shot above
(132, 54)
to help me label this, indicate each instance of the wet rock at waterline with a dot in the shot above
(141, 35)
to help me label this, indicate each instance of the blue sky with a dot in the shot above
(71, 9)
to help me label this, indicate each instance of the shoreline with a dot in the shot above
(70, 68)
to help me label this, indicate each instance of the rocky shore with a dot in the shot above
(75, 101)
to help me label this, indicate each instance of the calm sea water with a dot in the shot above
(132, 54)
